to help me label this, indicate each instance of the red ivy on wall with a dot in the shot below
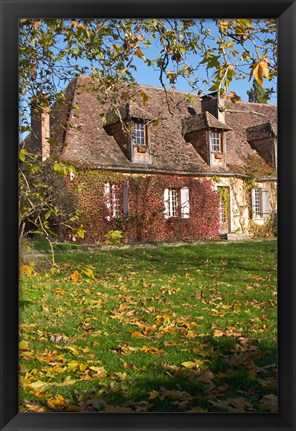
(146, 221)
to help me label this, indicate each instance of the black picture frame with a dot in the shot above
(11, 11)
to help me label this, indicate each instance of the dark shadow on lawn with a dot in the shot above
(234, 377)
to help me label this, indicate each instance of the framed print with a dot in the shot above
(148, 215)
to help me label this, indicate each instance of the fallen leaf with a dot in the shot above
(23, 345)
(189, 364)
(75, 276)
(206, 377)
(218, 333)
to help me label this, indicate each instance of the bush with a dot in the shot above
(113, 237)
(267, 230)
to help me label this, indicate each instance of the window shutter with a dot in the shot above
(166, 203)
(265, 203)
(185, 202)
(125, 199)
(253, 203)
(107, 200)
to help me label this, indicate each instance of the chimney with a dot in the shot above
(214, 104)
(40, 123)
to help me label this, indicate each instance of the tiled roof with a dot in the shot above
(202, 121)
(262, 131)
(87, 144)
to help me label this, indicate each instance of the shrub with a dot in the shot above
(267, 230)
(113, 237)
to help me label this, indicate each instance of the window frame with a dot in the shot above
(218, 138)
(142, 127)
(173, 203)
(174, 207)
(112, 201)
(259, 207)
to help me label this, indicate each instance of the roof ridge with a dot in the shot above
(185, 92)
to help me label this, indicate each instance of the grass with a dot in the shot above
(157, 329)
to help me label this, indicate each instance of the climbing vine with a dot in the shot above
(145, 220)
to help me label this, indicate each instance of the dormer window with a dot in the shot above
(131, 130)
(208, 137)
(216, 141)
(140, 142)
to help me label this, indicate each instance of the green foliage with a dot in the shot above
(258, 94)
(113, 237)
(44, 201)
(267, 230)
(159, 329)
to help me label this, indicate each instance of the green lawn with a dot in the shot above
(159, 329)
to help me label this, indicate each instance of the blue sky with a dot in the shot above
(146, 75)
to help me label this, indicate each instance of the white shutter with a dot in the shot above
(107, 200)
(185, 202)
(125, 199)
(253, 203)
(166, 211)
(265, 203)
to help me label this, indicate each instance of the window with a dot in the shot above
(172, 198)
(257, 203)
(139, 134)
(260, 203)
(216, 142)
(116, 200)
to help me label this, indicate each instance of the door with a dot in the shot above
(224, 209)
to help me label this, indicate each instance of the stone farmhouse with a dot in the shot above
(162, 166)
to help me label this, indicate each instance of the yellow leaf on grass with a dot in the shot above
(23, 345)
(27, 270)
(82, 367)
(57, 403)
(137, 334)
(75, 276)
(67, 382)
(72, 366)
(156, 351)
(60, 291)
(189, 364)
(121, 376)
(218, 333)
(59, 370)
(73, 349)
(38, 385)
